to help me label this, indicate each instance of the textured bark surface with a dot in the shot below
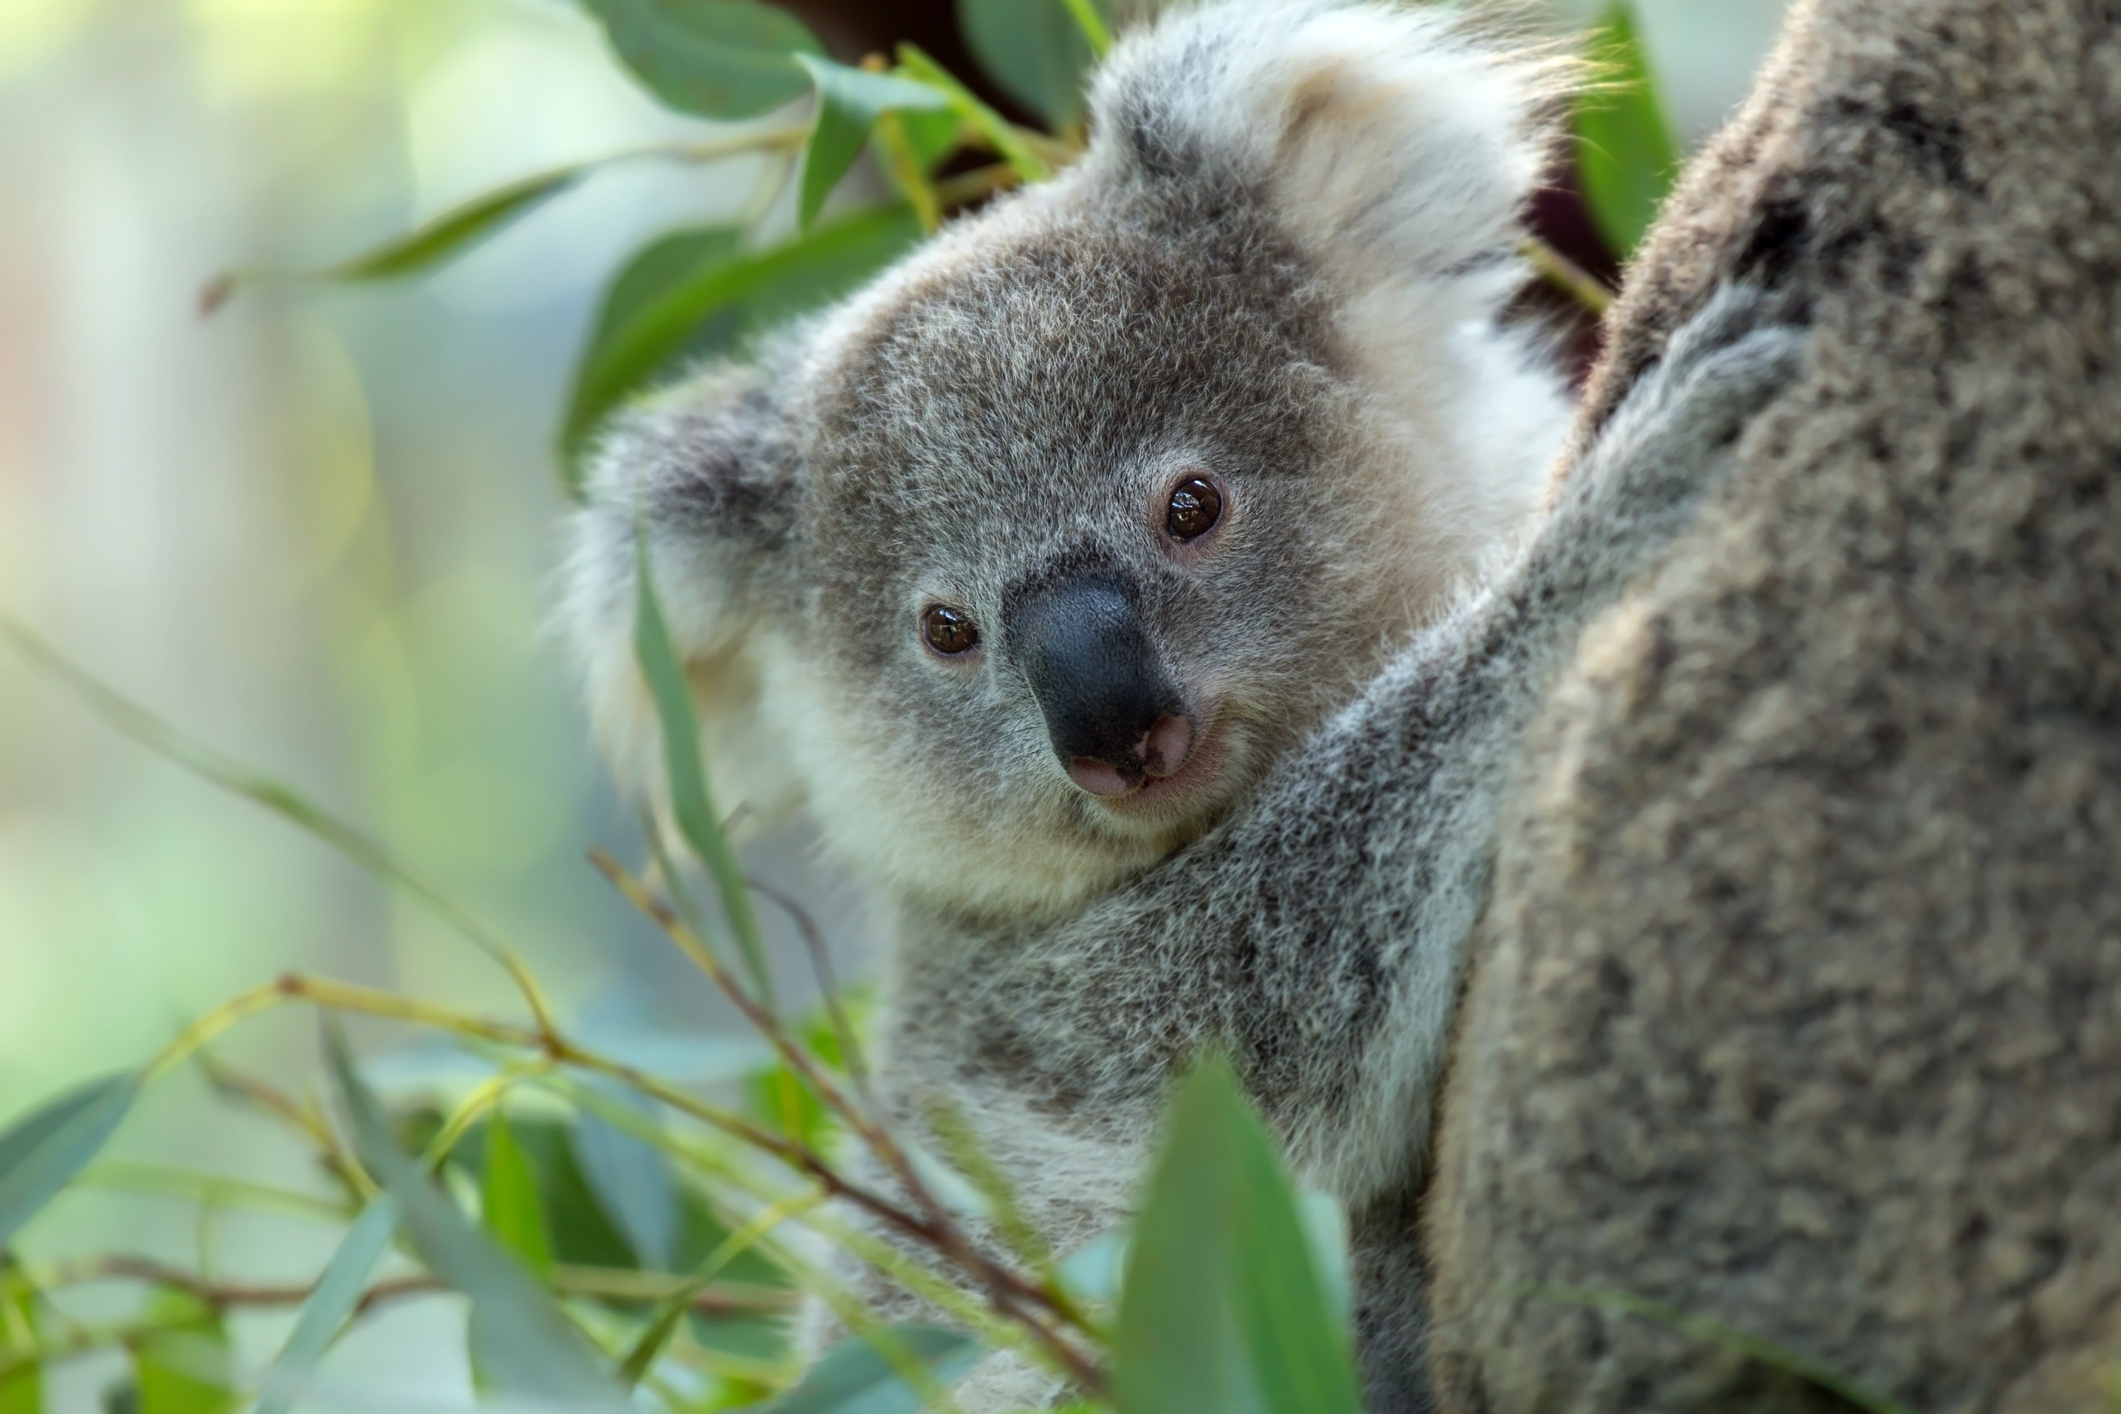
(1798, 1002)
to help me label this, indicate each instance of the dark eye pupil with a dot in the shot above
(949, 632)
(1195, 507)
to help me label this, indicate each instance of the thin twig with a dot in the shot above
(611, 1284)
(1008, 1291)
(130, 719)
(262, 1095)
(827, 981)
(1566, 275)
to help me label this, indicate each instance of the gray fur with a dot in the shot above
(1282, 261)
(1797, 1007)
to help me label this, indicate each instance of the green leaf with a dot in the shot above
(521, 1343)
(1223, 1311)
(186, 1367)
(510, 1199)
(132, 720)
(1626, 155)
(42, 1150)
(22, 1386)
(632, 1182)
(689, 296)
(858, 1377)
(996, 129)
(329, 1304)
(1035, 49)
(446, 237)
(717, 58)
(849, 101)
(690, 800)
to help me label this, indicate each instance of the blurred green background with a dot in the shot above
(319, 532)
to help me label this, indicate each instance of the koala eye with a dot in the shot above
(1195, 507)
(948, 632)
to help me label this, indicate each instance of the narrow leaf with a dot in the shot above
(991, 125)
(22, 1386)
(329, 1305)
(1626, 155)
(510, 1199)
(444, 238)
(1037, 50)
(1222, 1311)
(520, 1342)
(456, 230)
(689, 798)
(857, 1377)
(717, 58)
(144, 727)
(43, 1150)
(186, 1367)
(688, 297)
(632, 1182)
(849, 101)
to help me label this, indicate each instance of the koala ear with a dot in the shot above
(1395, 144)
(706, 471)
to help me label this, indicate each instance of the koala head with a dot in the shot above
(1020, 567)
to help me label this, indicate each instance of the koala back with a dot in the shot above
(1797, 1006)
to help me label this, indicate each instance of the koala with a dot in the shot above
(1143, 584)
(1796, 1007)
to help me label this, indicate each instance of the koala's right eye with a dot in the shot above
(948, 632)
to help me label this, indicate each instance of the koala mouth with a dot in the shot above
(1178, 764)
(1162, 753)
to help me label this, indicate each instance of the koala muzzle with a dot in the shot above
(1112, 712)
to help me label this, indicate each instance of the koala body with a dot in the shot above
(1138, 583)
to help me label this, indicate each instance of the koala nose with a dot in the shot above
(1111, 710)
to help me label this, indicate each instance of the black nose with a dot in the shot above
(1098, 681)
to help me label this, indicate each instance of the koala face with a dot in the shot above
(1062, 626)
(1029, 561)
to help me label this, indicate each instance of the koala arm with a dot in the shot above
(1319, 935)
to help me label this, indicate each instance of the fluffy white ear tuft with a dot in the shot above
(704, 467)
(1394, 143)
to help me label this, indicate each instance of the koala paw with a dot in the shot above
(1725, 364)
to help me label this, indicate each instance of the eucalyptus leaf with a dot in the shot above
(1626, 155)
(690, 801)
(1005, 137)
(1092, 1271)
(632, 1182)
(1223, 1311)
(185, 1367)
(442, 239)
(849, 101)
(689, 296)
(717, 58)
(521, 1343)
(855, 1377)
(329, 1305)
(22, 1387)
(1035, 49)
(42, 1150)
(509, 1199)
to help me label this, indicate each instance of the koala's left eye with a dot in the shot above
(1195, 507)
(949, 632)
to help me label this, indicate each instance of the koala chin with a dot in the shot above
(1020, 568)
